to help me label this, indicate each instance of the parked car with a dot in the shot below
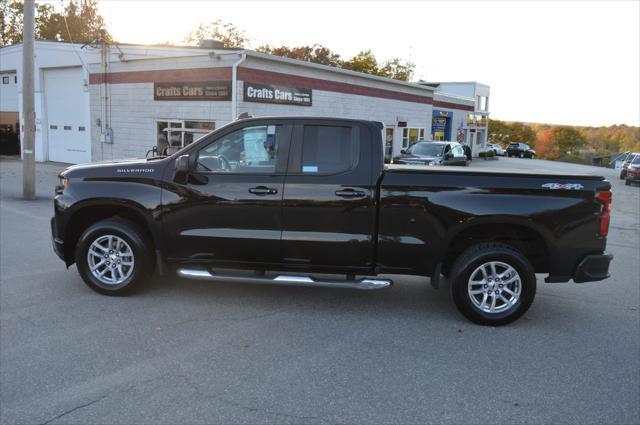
(633, 171)
(520, 150)
(287, 198)
(628, 160)
(433, 153)
(499, 150)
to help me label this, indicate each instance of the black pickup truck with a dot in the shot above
(284, 200)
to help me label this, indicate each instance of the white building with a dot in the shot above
(138, 97)
(474, 128)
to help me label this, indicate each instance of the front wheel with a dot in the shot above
(492, 284)
(113, 257)
(521, 155)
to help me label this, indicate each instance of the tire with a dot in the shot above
(521, 287)
(521, 155)
(627, 183)
(129, 238)
(533, 156)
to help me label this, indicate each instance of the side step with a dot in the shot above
(286, 280)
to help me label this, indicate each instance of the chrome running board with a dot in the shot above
(286, 280)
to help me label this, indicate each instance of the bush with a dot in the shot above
(487, 154)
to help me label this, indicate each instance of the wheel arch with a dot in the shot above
(534, 242)
(89, 212)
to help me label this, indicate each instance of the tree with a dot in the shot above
(546, 146)
(78, 22)
(396, 69)
(316, 53)
(568, 139)
(365, 61)
(511, 132)
(227, 33)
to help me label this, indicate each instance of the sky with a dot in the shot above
(572, 62)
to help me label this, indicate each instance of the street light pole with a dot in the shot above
(28, 111)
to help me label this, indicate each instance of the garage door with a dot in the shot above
(68, 135)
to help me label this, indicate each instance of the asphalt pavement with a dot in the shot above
(195, 352)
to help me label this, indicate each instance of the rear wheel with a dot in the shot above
(113, 257)
(492, 284)
(521, 155)
(627, 182)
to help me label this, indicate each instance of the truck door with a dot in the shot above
(329, 193)
(230, 209)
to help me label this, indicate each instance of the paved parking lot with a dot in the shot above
(194, 352)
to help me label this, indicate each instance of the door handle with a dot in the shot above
(350, 193)
(262, 190)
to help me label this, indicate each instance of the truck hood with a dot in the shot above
(123, 168)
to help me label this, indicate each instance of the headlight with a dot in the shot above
(63, 183)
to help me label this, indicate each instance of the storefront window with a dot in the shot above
(412, 135)
(173, 135)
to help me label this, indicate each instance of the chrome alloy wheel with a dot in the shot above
(110, 260)
(494, 287)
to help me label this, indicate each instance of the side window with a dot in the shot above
(328, 149)
(447, 149)
(458, 151)
(248, 150)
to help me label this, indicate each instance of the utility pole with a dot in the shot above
(28, 111)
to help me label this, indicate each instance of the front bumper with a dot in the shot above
(58, 244)
(593, 268)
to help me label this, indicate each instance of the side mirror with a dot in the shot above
(182, 169)
(182, 164)
(403, 151)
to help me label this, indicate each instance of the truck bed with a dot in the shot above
(510, 172)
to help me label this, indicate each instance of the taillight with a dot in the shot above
(605, 215)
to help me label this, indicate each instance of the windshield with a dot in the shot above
(636, 160)
(513, 145)
(426, 149)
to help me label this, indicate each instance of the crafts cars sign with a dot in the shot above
(200, 90)
(266, 93)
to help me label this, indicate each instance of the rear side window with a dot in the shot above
(636, 160)
(513, 145)
(328, 149)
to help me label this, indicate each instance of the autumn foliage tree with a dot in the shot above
(316, 53)
(79, 22)
(503, 132)
(365, 61)
(227, 33)
(546, 146)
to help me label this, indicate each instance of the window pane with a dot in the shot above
(198, 129)
(249, 150)
(327, 149)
